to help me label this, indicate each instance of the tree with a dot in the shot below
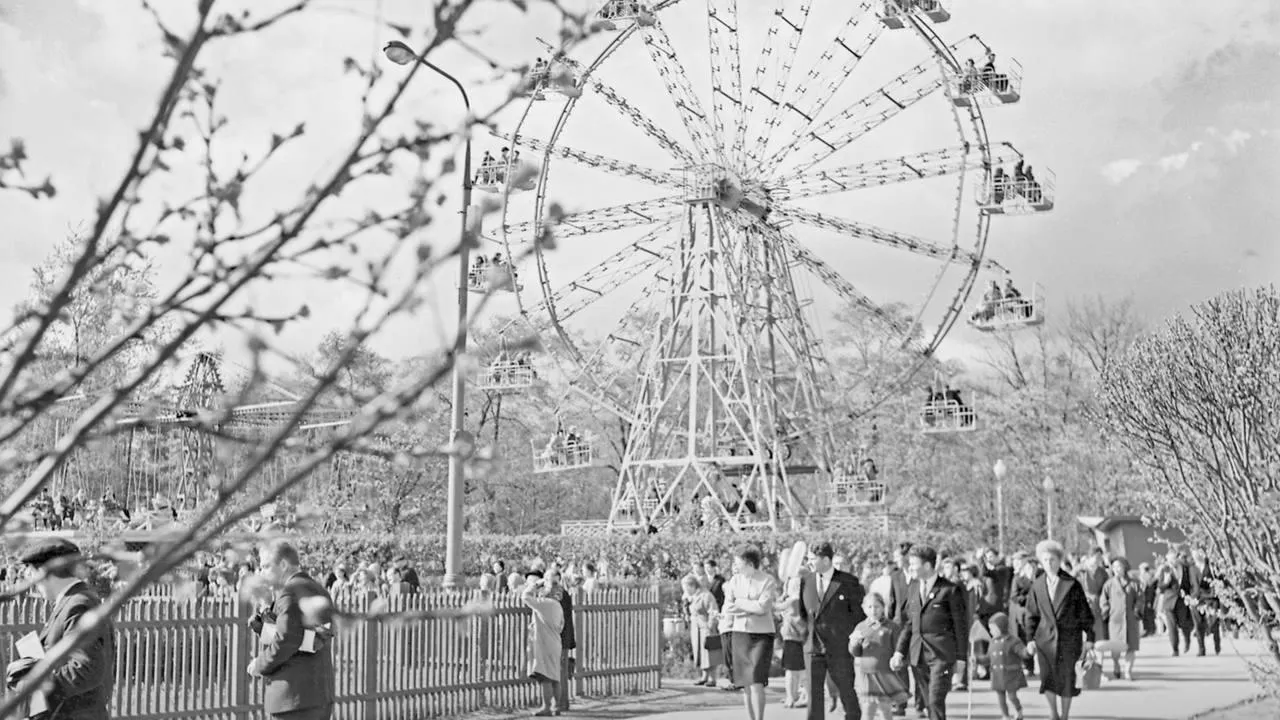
(198, 186)
(1196, 404)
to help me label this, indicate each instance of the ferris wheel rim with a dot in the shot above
(538, 250)
(942, 53)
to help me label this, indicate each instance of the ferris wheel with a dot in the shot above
(728, 192)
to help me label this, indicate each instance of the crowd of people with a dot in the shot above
(917, 624)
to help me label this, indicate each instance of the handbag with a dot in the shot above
(712, 642)
(1090, 672)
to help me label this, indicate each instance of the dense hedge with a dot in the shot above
(668, 555)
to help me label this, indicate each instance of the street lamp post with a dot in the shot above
(1049, 489)
(401, 54)
(1000, 470)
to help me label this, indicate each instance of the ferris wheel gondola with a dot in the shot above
(1008, 308)
(893, 13)
(565, 450)
(552, 75)
(718, 346)
(615, 12)
(945, 411)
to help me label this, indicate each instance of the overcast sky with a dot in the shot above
(1159, 118)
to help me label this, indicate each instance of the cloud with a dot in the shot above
(1117, 171)
(1177, 161)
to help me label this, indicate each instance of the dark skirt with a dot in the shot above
(792, 655)
(1058, 675)
(752, 657)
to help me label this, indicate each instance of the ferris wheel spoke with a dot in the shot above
(931, 163)
(614, 217)
(834, 67)
(610, 273)
(599, 162)
(866, 114)
(692, 116)
(880, 236)
(726, 65)
(629, 111)
(771, 77)
(839, 284)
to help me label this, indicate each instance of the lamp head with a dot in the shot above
(1000, 469)
(399, 53)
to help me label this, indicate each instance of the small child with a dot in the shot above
(794, 627)
(1007, 674)
(872, 644)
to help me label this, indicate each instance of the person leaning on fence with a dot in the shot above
(544, 638)
(295, 656)
(80, 687)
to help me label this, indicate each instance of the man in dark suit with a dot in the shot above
(296, 657)
(80, 687)
(896, 606)
(934, 634)
(831, 600)
(712, 572)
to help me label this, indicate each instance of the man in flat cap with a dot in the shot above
(296, 658)
(80, 687)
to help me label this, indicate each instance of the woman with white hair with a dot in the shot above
(1060, 624)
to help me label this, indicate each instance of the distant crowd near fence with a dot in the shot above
(187, 657)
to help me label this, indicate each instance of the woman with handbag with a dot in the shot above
(704, 631)
(1061, 627)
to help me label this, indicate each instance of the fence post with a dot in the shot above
(240, 658)
(579, 624)
(372, 649)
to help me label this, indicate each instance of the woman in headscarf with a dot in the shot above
(1061, 627)
(1121, 604)
(544, 637)
(704, 631)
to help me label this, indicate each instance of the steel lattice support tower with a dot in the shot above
(720, 392)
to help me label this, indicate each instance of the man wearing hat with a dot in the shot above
(80, 687)
(296, 658)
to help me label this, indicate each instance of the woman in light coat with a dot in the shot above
(544, 637)
(704, 630)
(1121, 605)
(749, 597)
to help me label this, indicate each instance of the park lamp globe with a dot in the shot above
(399, 53)
(1000, 469)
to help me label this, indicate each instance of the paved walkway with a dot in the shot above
(1164, 688)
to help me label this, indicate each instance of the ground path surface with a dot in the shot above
(1164, 688)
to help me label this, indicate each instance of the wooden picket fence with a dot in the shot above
(187, 658)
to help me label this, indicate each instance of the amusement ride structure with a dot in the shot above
(717, 367)
(723, 373)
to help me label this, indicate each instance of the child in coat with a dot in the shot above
(872, 644)
(1007, 673)
(793, 629)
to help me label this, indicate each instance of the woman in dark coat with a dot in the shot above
(1061, 627)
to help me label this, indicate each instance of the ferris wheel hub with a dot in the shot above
(712, 184)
